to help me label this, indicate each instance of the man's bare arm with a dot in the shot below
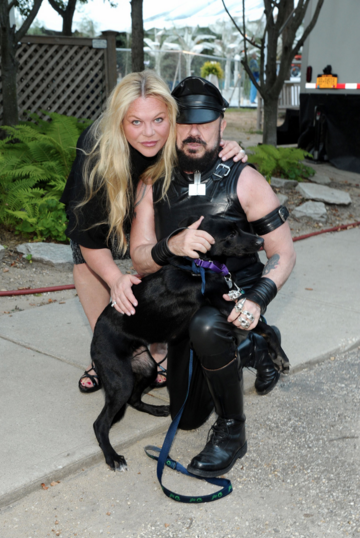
(189, 242)
(258, 200)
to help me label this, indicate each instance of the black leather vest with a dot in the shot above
(221, 197)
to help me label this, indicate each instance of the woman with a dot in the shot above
(135, 133)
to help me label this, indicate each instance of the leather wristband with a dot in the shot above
(271, 221)
(160, 252)
(262, 293)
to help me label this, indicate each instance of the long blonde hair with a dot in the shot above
(108, 163)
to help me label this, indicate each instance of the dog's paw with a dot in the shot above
(117, 463)
(161, 411)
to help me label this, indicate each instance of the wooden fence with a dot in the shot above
(289, 98)
(68, 75)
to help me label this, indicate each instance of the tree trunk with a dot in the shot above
(68, 16)
(270, 120)
(289, 6)
(8, 72)
(137, 28)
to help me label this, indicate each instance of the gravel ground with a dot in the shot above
(300, 477)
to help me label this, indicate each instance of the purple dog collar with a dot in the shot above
(213, 266)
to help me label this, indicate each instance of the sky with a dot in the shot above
(186, 13)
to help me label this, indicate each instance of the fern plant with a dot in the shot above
(35, 161)
(280, 162)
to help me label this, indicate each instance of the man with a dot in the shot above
(254, 66)
(202, 185)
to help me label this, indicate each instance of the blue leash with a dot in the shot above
(164, 459)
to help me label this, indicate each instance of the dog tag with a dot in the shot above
(234, 294)
(197, 189)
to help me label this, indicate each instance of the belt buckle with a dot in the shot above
(282, 213)
(224, 166)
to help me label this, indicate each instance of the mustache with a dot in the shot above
(193, 140)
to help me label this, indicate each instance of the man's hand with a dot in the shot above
(191, 241)
(230, 148)
(236, 317)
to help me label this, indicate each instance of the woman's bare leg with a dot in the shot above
(94, 296)
(159, 351)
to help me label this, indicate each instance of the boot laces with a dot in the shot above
(218, 431)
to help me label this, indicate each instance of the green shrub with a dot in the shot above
(35, 161)
(280, 162)
(212, 68)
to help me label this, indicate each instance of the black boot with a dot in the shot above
(226, 439)
(254, 353)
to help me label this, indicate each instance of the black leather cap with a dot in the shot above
(199, 101)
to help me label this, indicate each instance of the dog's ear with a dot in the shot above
(188, 221)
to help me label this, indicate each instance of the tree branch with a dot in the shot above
(237, 27)
(28, 21)
(309, 28)
(286, 22)
(244, 30)
(57, 8)
(11, 5)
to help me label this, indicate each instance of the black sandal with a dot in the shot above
(162, 371)
(94, 378)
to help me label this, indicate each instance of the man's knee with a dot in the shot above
(211, 335)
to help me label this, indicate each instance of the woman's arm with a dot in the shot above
(102, 263)
(230, 148)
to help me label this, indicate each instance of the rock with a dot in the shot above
(283, 183)
(312, 210)
(323, 194)
(282, 198)
(2, 252)
(320, 180)
(49, 253)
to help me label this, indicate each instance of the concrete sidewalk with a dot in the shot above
(47, 423)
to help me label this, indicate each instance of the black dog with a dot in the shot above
(167, 300)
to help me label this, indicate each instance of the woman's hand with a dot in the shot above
(230, 148)
(191, 241)
(247, 318)
(122, 297)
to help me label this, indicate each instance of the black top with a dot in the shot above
(221, 181)
(79, 228)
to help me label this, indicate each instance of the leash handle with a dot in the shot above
(164, 459)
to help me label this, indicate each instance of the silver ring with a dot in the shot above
(239, 305)
(242, 151)
(244, 322)
(113, 303)
(248, 315)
